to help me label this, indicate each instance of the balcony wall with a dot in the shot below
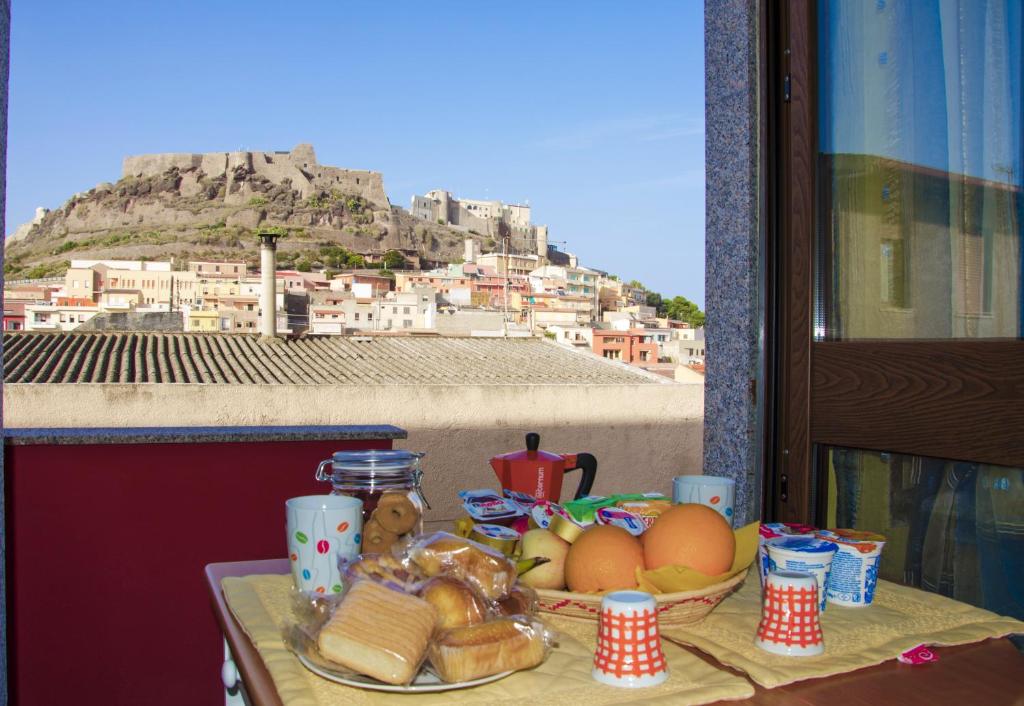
(642, 435)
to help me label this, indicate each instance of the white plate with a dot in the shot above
(424, 683)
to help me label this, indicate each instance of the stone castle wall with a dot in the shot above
(300, 166)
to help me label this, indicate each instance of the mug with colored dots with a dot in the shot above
(716, 492)
(321, 530)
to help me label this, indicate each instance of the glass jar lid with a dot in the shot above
(374, 468)
(380, 460)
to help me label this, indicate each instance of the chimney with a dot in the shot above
(268, 277)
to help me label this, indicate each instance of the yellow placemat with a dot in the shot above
(261, 606)
(899, 618)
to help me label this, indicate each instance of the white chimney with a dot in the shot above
(268, 278)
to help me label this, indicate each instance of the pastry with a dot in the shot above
(486, 569)
(386, 569)
(457, 604)
(376, 539)
(378, 632)
(396, 513)
(480, 650)
(521, 600)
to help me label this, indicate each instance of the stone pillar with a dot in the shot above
(268, 278)
(733, 388)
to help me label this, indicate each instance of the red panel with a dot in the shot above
(106, 548)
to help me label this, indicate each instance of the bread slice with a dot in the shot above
(488, 648)
(379, 632)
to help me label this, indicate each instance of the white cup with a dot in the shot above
(716, 492)
(628, 650)
(321, 530)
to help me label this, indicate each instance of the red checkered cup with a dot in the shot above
(790, 617)
(628, 642)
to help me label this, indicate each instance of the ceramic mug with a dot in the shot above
(790, 621)
(807, 554)
(321, 530)
(714, 491)
(628, 642)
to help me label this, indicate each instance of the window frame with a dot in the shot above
(925, 397)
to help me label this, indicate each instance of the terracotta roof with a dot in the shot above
(243, 359)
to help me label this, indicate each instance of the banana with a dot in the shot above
(524, 565)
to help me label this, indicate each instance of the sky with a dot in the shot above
(591, 111)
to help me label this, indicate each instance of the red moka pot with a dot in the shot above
(539, 473)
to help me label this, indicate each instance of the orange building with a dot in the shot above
(635, 346)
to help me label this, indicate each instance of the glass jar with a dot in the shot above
(388, 483)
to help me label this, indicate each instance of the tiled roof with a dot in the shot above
(243, 359)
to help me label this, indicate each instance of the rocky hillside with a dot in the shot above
(186, 214)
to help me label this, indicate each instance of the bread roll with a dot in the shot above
(457, 604)
(379, 632)
(489, 648)
(487, 570)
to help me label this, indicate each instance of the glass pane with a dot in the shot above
(953, 528)
(920, 169)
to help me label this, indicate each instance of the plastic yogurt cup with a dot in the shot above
(771, 530)
(808, 554)
(854, 567)
(625, 519)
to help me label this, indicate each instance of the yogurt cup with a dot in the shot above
(771, 530)
(808, 554)
(854, 567)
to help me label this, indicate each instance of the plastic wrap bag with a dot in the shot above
(393, 571)
(458, 604)
(499, 645)
(373, 630)
(446, 554)
(521, 600)
(398, 608)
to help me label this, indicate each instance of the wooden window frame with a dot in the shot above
(958, 399)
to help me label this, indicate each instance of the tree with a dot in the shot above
(304, 265)
(635, 284)
(393, 260)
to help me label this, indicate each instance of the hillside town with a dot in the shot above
(486, 294)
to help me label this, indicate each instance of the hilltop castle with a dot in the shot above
(307, 176)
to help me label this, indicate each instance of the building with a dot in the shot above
(572, 336)
(62, 314)
(686, 347)
(379, 285)
(521, 265)
(204, 321)
(488, 218)
(581, 281)
(635, 346)
(14, 316)
(218, 270)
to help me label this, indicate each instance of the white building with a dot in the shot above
(57, 316)
(573, 336)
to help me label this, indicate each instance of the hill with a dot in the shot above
(209, 207)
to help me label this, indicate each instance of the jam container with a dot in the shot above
(388, 483)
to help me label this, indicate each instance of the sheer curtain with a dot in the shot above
(921, 142)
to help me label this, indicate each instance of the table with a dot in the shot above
(990, 672)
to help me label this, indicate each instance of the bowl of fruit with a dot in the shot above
(689, 558)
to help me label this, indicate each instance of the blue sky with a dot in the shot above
(592, 111)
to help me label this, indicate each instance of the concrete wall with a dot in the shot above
(642, 435)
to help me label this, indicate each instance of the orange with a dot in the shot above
(604, 558)
(690, 535)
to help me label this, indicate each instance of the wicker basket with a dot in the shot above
(674, 609)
